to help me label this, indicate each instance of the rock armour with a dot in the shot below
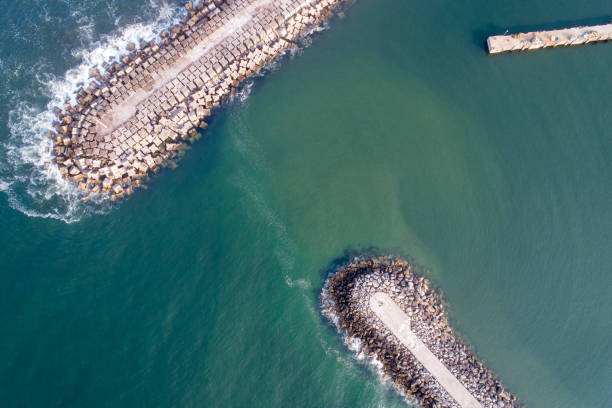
(346, 298)
(138, 114)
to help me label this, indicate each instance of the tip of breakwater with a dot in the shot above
(346, 303)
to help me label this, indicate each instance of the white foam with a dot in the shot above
(244, 92)
(4, 186)
(297, 283)
(111, 46)
(40, 191)
(255, 161)
(358, 351)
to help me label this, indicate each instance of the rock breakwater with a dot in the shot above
(135, 116)
(346, 302)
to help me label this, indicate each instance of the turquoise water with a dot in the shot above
(393, 130)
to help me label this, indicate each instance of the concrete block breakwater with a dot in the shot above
(408, 332)
(545, 39)
(135, 117)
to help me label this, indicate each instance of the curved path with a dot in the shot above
(399, 323)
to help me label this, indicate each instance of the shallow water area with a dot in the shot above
(394, 129)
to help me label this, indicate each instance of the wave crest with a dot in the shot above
(33, 185)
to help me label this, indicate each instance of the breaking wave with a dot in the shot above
(358, 350)
(32, 185)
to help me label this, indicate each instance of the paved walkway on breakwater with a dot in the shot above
(133, 118)
(545, 39)
(127, 108)
(399, 323)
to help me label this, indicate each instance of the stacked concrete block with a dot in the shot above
(137, 114)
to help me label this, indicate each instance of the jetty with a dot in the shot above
(545, 39)
(394, 316)
(138, 114)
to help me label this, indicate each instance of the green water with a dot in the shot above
(393, 130)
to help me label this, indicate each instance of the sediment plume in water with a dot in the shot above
(346, 302)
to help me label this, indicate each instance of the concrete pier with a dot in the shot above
(544, 39)
(134, 117)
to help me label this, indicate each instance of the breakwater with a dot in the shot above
(351, 299)
(134, 117)
(545, 39)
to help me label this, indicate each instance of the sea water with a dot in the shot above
(393, 130)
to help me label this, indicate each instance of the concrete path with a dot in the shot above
(127, 108)
(399, 323)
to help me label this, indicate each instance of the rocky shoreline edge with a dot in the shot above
(108, 158)
(345, 302)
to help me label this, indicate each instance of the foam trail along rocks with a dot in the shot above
(31, 184)
(137, 113)
(346, 302)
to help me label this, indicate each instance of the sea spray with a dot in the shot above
(33, 186)
(359, 352)
(135, 116)
(48, 194)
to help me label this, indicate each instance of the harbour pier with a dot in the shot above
(136, 116)
(545, 39)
